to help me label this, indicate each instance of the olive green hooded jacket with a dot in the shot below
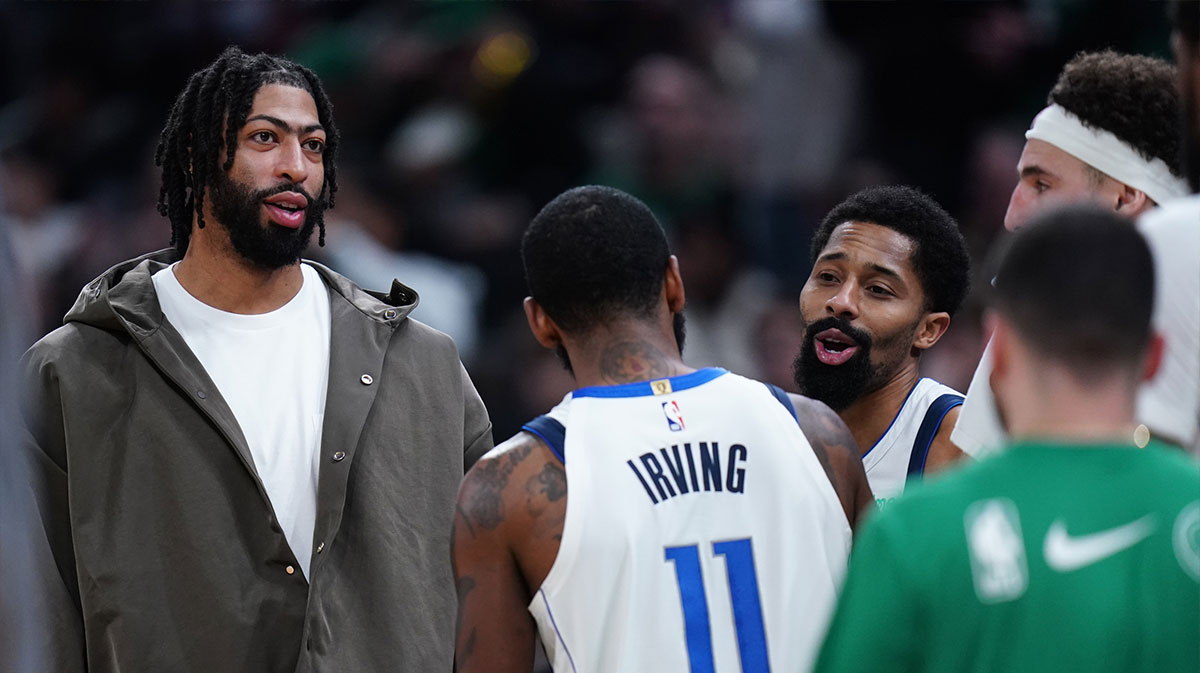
(158, 549)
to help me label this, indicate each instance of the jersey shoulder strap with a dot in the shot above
(551, 432)
(783, 398)
(925, 434)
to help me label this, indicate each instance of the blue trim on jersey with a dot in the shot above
(643, 388)
(558, 633)
(889, 427)
(784, 400)
(551, 432)
(929, 428)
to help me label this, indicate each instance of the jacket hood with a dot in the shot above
(123, 298)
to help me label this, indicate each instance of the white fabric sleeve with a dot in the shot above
(978, 431)
(1169, 404)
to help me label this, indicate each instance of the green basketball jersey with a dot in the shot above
(1042, 558)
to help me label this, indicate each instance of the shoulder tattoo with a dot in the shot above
(489, 479)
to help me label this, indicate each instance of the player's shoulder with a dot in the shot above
(494, 488)
(822, 425)
(1177, 214)
(507, 456)
(1173, 464)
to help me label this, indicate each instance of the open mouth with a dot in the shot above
(834, 347)
(287, 209)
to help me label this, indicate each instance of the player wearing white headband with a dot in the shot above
(1109, 135)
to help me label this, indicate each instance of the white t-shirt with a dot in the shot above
(1169, 404)
(272, 369)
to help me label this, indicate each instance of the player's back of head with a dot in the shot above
(1077, 285)
(939, 259)
(595, 254)
(1131, 96)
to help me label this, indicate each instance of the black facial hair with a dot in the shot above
(840, 386)
(239, 211)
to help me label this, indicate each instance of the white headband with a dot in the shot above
(1106, 153)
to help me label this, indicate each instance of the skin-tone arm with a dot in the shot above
(507, 528)
(942, 452)
(835, 448)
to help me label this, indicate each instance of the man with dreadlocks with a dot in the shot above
(243, 461)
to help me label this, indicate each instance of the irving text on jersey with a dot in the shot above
(680, 474)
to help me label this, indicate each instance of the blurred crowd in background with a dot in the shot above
(740, 122)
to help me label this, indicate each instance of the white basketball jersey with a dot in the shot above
(701, 532)
(889, 462)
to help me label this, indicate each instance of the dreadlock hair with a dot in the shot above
(219, 96)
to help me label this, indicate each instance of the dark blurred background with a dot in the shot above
(739, 122)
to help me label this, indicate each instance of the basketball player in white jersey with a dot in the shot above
(1109, 135)
(890, 268)
(661, 518)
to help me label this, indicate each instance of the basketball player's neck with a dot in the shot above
(624, 352)
(872, 414)
(1053, 406)
(213, 272)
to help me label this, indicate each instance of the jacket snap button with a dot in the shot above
(390, 313)
(201, 394)
(290, 570)
(320, 547)
(367, 380)
(338, 456)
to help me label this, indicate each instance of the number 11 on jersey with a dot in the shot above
(743, 596)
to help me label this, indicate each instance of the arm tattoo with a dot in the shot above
(491, 478)
(552, 481)
(627, 361)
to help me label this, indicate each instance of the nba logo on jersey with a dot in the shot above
(674, 417)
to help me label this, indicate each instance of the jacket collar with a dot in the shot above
(123, 297)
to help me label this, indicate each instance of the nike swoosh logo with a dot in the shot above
(1065, 553)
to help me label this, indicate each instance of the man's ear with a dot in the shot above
(543, 328)
(1131, 201)
(1154, 355)
(673, 286)
(931, 329)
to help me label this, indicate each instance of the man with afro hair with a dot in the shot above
(1109, 136)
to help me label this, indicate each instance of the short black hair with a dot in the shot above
(940, 258)
(594, 254)
(219, 96)
(1077, 284)
(1132, 97)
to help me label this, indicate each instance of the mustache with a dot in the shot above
(285, 187)
(834, 322)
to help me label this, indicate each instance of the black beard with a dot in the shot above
(841, 385)
(239, 211)
(678, 324)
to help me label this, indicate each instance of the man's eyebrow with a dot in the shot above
(879, 268)
(831, 257)
(284, 125)
(1035, 172)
